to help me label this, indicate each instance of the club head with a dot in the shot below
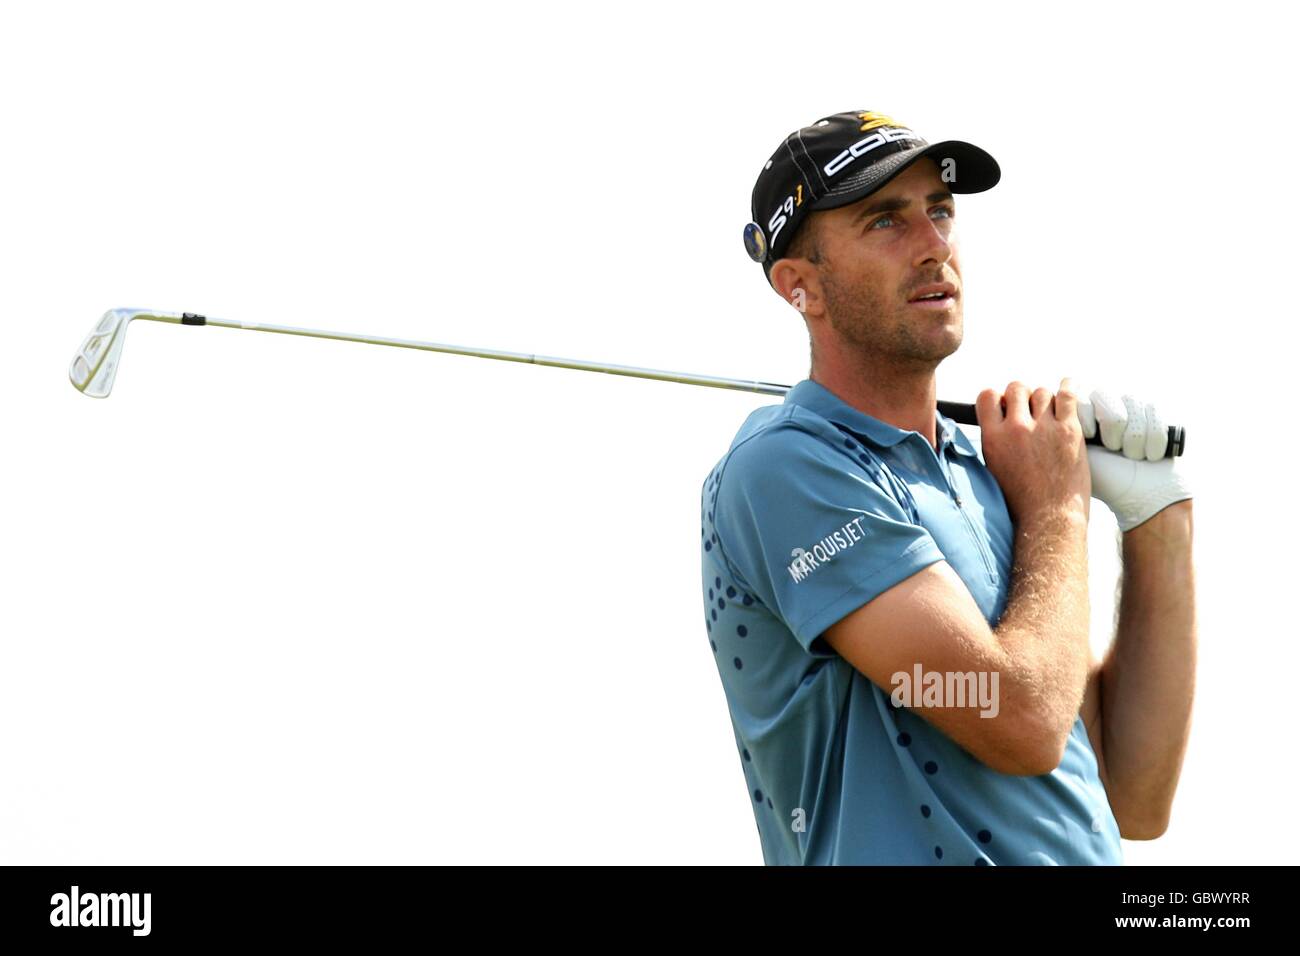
(95, 366)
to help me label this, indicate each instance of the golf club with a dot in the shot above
(95, 366)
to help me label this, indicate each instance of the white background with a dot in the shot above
(286, 600)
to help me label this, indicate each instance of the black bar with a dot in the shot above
(965, 415)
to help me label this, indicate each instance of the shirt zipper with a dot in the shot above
(970, 524)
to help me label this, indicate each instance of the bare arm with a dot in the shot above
(1046, 623)
(1039, 649)
(1138, 705)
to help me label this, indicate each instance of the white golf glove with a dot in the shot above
(1132, 478)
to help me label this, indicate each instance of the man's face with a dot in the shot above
(877, 256)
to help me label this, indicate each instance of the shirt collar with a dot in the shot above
(817, 398)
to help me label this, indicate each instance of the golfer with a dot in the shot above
(900, 621)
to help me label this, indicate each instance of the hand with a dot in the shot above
(1130, 475)
(1033, 445)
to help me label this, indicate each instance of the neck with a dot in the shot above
(901, 396)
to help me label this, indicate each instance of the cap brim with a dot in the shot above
(972, 171)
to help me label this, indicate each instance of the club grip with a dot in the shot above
(965, 415)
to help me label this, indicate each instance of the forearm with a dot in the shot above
(1044, 631)
(1148, 675)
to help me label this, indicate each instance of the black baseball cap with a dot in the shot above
(838, 160)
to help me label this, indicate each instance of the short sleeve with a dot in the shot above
(811, 532)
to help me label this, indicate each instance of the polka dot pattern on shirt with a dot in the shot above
(719, 594)
(749, 688)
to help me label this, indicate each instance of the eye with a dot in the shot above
(948, 212)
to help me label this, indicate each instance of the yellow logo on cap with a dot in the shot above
(872, 120)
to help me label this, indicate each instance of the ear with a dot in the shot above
(796, 281)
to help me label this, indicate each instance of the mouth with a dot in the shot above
(942, 295)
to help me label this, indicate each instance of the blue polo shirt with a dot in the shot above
(815, 509)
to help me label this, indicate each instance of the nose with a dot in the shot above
(934, 244)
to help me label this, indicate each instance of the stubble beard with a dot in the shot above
(873, 325)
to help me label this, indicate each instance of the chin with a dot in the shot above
(952, 337)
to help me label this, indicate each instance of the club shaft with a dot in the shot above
(961, 412)
(685, 378)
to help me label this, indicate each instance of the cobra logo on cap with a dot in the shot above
(887, 132)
